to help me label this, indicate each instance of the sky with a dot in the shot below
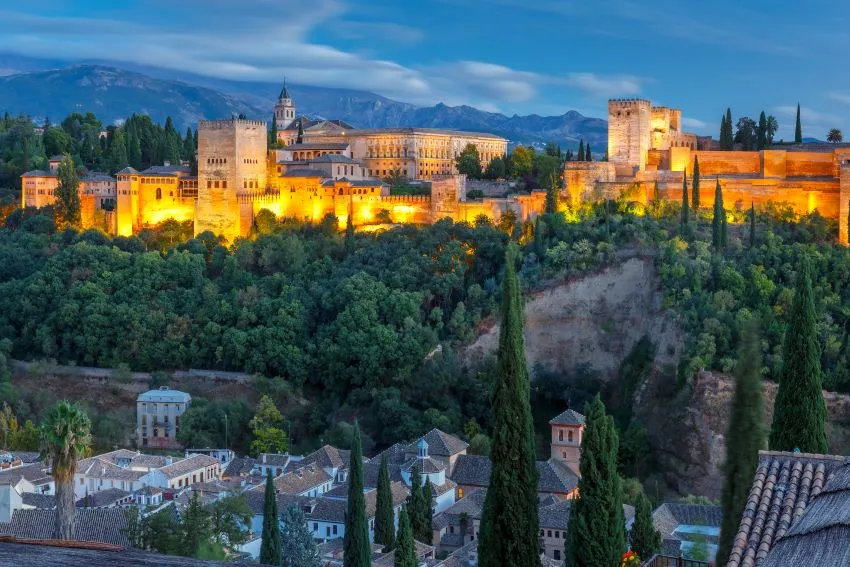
(512, 56)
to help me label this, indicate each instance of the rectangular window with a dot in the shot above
(549, 533)
(327, 531)
(334, 529)
(557, 554)
(315, 526)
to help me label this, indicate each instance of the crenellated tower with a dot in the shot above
(629, 135)
(284, 110)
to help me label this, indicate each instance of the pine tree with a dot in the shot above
(509, 525)
(580, 151)
(718, 225)
(405, 549)
(685, 209)
(798, 128)
(695, 188)
(752, 225)
(270, 547)
(799, 415)
(297, 548)
(384, 517)
(596, 533)
(744, 439)
(644, 538)
(356, 547)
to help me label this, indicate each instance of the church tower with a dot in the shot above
(567, 431)
(284, 110)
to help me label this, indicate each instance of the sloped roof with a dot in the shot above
(106, 525)
(37, 500)
(33, 473)
(30, 555)
(164, 395)
(555, 477)
(302, 479)
(555, 516)
(669, 516)
(327, 456)
(441, 444)
(99, 467)
(39, 173)
(166, 170)
(394, 453)
(427, 465)
(821, 535)
(783, 486)
(272, 459)
(334, 158)
(28, 457)
(569, 417)
(316, 146)
(304, 173)
(127, 171)
(238, 466)
(472, 505)
(193, 463)
(102, 498)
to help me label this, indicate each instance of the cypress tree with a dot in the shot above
(656, 193)
(273, 132)
(270, 547)
(761, 132)
(427, 512)
(722, 136)
(695, 189)
(350, 245)
(588, 155)
(744, 439)
(752, 225)
(581, 150)
(552, 194)
(405, 550)
(416, 501)
(384, 517)
(596, 532)
(644, 538)
(799, 415)
(357, 551)
(718, 225)
(134, 148)
(300, 139)
(685, 208)
(510, 525)
(798, 128)
(727, 141)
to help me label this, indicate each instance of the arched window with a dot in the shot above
(158, 193)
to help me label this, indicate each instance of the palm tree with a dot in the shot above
(834, 136)
(65, 436)
(772, 127)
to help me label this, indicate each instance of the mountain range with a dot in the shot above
(54, 88)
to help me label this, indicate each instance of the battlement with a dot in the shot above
(628, 103)
(405, 198)
(228, 123)
(258, 196)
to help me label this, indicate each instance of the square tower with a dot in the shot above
(567, 431)
(232, 158)
(629, 136)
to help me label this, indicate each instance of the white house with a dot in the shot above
(182, 473)
(158, 417)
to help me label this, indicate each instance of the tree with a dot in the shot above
(297, 547)
(761, 131)
(695, 188)
(509, 524)
(685, 208)
(656, 193)
(118, 152)
(495, 169)
(772, 127)
(729, 142)
(384, 516)
(752, 225)
(416, 503)
(427, 512)
(722, 136)
(230, 518)
(273, 132)
(196, 530)
(270, 552)
(644, 538)
(745, 133)
(581, 150)
(134, 148)
(744, 439)
(799, 415)
(405, 549)
(300, 138)
(834, 136)
(356, 547)
(552, 195)
(65, 436)
(468, 162)
(522, 160)
(267, 428)
(588, 154)
(68, 206)
(798, 128)
(718, 225)
(596, 534)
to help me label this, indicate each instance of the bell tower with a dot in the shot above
(567, 431)
(284, 110)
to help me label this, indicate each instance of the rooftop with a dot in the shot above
(317, 146)
(188, 465)
(102, 498)
(167, 170)
(333, 158)
(105, 525)
(441, 444)
(164, 395)
(555, 477)
(302, 479)
(238, 466)
(569, 417)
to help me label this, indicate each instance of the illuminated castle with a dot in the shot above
(646, 145)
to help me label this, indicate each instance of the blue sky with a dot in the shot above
(512, 56)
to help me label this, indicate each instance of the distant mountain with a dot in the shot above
(52, 88)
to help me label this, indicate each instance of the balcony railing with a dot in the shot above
(670, 561)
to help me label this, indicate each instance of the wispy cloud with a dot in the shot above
(843, 98)
(693, 123)
(604, 86)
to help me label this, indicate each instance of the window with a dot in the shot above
(334, 529)
(315, 526)
(158, 193)
(459, 492)
(560, 435)
(570, 436)
(557, 554)
(548, 533)
(451, 529)
(327, 531)
(565, 454)
(557, 534)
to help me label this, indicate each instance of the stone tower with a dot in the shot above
(231, 160)
(127, 202)
(629, 136)
(284, 110)
(567, 430)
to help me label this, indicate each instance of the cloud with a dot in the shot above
(839, 97)
(386, 31)
(808, 115)
(601, 86)
(487, 80)
(693, 123)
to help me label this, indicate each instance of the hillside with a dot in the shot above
(50, 88)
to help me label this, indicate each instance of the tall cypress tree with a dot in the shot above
(270, 547)
(799, 415)
(685, 207)
(509, 525)
(744, 439)
(427, 512)
(416, 502)
(761, 131)
(718, 225)
(552, 194)
(695, 188)
(722, 137)
(384, 517)
(596, 531)
(656, 193)
(300, 138)
(273, 132)
(798, 128)
(356, 548)
(752, 225)
(405, 550)
(727, 141)
(581, 150)
(644, 538)
(588, 155)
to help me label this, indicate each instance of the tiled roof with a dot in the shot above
(669, 516)
(441, 444)
(821, 535)
(46, 501)
(96, 176)
(238, 466)
(39, 173)
(333, 509)
(373, 468)
(427, 465)
(193, 463)
(33, 473)
(302, 479)
(166, 170)
(127, 171)
(555, 477)
(783, 486)
(102, 468)
(443, 488)
(462, 557)
(306, 172)
(555, 516)
(106, 525)
(472, 470)
(164, 394)
(273, 459)
(394, 453)
(28, 457)
(30, 555)
(317, 146)
(105, 497)
(333, 158)
(569, 417)
(472, 505)
(413, 130)
(327, 457)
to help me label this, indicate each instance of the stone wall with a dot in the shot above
(629, 132)
(488, 187)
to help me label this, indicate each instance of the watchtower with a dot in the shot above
(567, 431)
(629, 136)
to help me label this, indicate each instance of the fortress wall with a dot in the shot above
(844, 205)
(720, 163)
(810, 164)
(169, 206)
(580, 177)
